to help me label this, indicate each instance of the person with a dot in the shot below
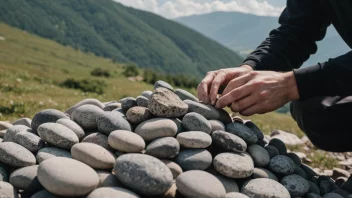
(271, 76)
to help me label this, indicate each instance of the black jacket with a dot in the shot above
(303, 22)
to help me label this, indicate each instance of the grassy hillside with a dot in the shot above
(111, 30)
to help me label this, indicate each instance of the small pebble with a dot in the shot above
(242, 131)
(216, 125)
(29, 141)
(176, 170)
(296, 185)
(50, 152)
(194, 159)
(185, 95)
(194, 139)
(126, 141)
(108, 122)
(45, 116)
(263, 187)
(281, 147)
(234, 165)
(99, 139)
(229, 141)
(166, 147)
(156, 128)
(163, 84)
(107, 179)
(282, 165)
(272, 150)
(16, 155)
(260, 156)
(128, 103)
(196, 122)
(23, 121)
(142, 101)
(137, 115)
(147, 94)
(58, 135)
(73, 126)
(88, 101)
(263, 173)
(86, 116)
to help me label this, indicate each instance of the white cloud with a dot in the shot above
(179, 8)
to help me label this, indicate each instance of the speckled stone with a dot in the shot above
(29, 141)
(263, 173)
(332, 195)
(45, 116)
(147, 94)
(67, 177)
(208, 111)
(4, 176)
(126, 141)
(255, 129)
(156, 128)
(23, 121)
(25, 178)
(143, 174)
(216, 125)
(128, 103)
(259, 155)
(12, 131)
(176, 170)
(197, 183)
(88, 101)
(164, 103)
(7, 190)
(107, 179)
(86, 116)
(296, 185)
(15, 155)
(137, 115)
(50, 152)
(242, 131)
(112, 192)
(266, 188)
(112, 106)
(142, 101)
(196, 122)
(194, 159)
(44, 194)
(236, 195)
(163, 84)
(272, 150)
(185, 95)
(282, 165)
(280, 145)
(108, 122)
(166, 147)
(58, 135)
(5, 125)
(229, 141)
(194, 139)
(73, 126)
(234, 165)
(99, 139)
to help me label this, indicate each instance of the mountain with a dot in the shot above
(124, 34)
(244, 32)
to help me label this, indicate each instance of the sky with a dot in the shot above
(179, 8)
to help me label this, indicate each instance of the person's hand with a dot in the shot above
(209, 87)
(259, 92)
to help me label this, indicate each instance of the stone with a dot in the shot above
(179, 125)
(16, 155)
(282, 165)
(196, 122)
(2, 133)
(73, 126)
(128, 103)
(112, 106)
(194, 159)
(163, 84)
(88, 101)
(272, 150)
(310, 172)
(332, 195)
(339, 181)
(208, 111)
(4, 176)
(287, 138)
(126, 141)
(44, 194)
(216, 125)
(45, 116)
(12, 131)
(255, 129)
(296, 185)
(93, 155)
(107, 179)
(58, 135)
(198, 183)
(108, 122)
(166, 147)
(229, 141)
(338, 172)
(137, 115)
(142, 101)
(260, 156)
(266, 188)
(313, 188)
(326, 184)
(120, 112)
(229, 184)
(263, 173)
(112, 192)
(144, 174)
(176, 170)
(5, 125)
(86, 116)
(341, 192)
(29, 141)
(236, 195)
(25, 178)
(242, 131)
(313, 195)
(164, 103)
(156, 128)
(171, 193)
(67, 177)
(185, 95)
(7, 190)
(234, 165)
(299, 171)
(281, 147)
(294, 158)
(23, 121)
(147, 94)
(194, 139)
(99, 139)
(50, 152)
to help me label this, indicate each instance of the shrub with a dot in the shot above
(85, 85)
(100, 72)
(131, 70)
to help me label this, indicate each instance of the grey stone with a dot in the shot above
(120, 112)
(216, 125)
(176, 170)
(313, 188)
(282, 165)
(229, 184)
(260, 156)
(208, 111)
(299, 171)
(272, 150)
(11, 132)
(185, 95)
(93, 155)
(313, 195)
(326, 184)
(263, 173)
(143, 174)
(280, 145)
(23, 121)
(50, 152)
(265, 188)
(16, 155)
(88, 101)
(45, 116)
(179, 125)
(44, 194)
(112, 192)
(5, 125)
(58, 135)
(110, 121)
(166, 147)
(294, 158)
(296, 185)
(163, 84)
(128, 103)
(196, 122)
(341, 192)
(67, 177)
(2, 133)
(126, 141)
(4, 176)
(194, 139)
(25, 178)
(310, 172)
(236, 195)
(255, 129)
(194, 159)
(86, 116)
(112, 106)
(164, 103)
(234, 165)
(29, 141)
(99, 139)
(242, 131)
(73, 126)
(7, 190)
(142, 101)
(332, 195)
(137, 115)
(147, 94)
(229, 141)
(156, 128)
(107, 179)
(197, 183)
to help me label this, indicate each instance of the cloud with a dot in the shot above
(179, 8)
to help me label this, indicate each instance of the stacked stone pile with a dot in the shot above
(161, 144)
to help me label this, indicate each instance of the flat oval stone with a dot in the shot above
(44, 194)
(236, 195)
(86, 116)
(93, 155)
(194, 159)
(259, 155)
(45, 116)
(29, 141)
(156, 128)
(263, 187)
(208, 111)
(137, 115)
(7, 190)
(23, 121)
(294, 158)
(216, 125)
(280, 145)
(67, 177)
(111, 121)
(229, 141)
(166, 147)
(263, 173)
(176, 170)
(255, 129)
(196, 122)
(163, 84)
(194, 139)
(73, 126)
(12, 131)
(107, 179)
(99, 139)
(25, 178)
(272, 150)
(296, 185)
(88, 101)
(4, 176)
(50, 152)
(143, 173)
(165, 103)
(242, 131)
(112, 192)
(126, 141)
(58, 135)
(282, 165)
(234, 165)
(185, 95)
(197, 183)
(142, 101)
(147, 94)
(128, 103)
(16, 155)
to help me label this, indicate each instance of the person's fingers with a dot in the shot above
(215, 85)
(233, 96)
(203, 87)
(258, 108)
(237, 82)
(244, 103)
